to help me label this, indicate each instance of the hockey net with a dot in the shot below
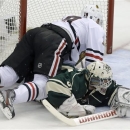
(18, 16)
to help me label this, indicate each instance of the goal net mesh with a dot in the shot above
(38, 13)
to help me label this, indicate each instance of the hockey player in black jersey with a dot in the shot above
(41, 53)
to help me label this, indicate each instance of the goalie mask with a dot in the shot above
(99, 76)
(93, 12)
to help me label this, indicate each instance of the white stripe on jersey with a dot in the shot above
(56, 60)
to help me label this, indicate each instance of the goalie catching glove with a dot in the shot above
(121, 102)
(71, 108)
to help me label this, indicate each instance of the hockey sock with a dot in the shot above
(26, 92)
(7, 76)
(31, 90)
(40, 81)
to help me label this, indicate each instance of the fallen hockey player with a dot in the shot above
(76, 93)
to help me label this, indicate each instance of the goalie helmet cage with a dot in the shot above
(18, 16)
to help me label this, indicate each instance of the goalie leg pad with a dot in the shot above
(121, 102)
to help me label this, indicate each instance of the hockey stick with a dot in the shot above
(80, 120)
(81, 57)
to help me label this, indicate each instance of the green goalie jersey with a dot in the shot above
(73, 81)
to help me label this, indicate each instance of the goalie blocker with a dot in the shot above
(120, 101)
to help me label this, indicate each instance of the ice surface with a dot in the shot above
(34, 116)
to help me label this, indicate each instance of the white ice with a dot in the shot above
(34, 116)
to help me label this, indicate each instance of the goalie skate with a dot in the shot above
(6, 103)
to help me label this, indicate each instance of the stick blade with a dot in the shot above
(57, 114)
(80, 120)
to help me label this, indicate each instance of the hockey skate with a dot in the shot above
(6, 103)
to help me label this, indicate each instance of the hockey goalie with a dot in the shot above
(76, 93)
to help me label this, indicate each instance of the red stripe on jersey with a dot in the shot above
(57, 58)
(93, 56)
(77, 40)
(33, 90)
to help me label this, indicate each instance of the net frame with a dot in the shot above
(109, 24)
(19, 21)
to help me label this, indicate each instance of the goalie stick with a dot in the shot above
(80, 120)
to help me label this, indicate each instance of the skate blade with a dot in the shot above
(6, 111)
(1, 98)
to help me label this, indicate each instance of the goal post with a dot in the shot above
(109, 30)
(23, 18)
(18, 16)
